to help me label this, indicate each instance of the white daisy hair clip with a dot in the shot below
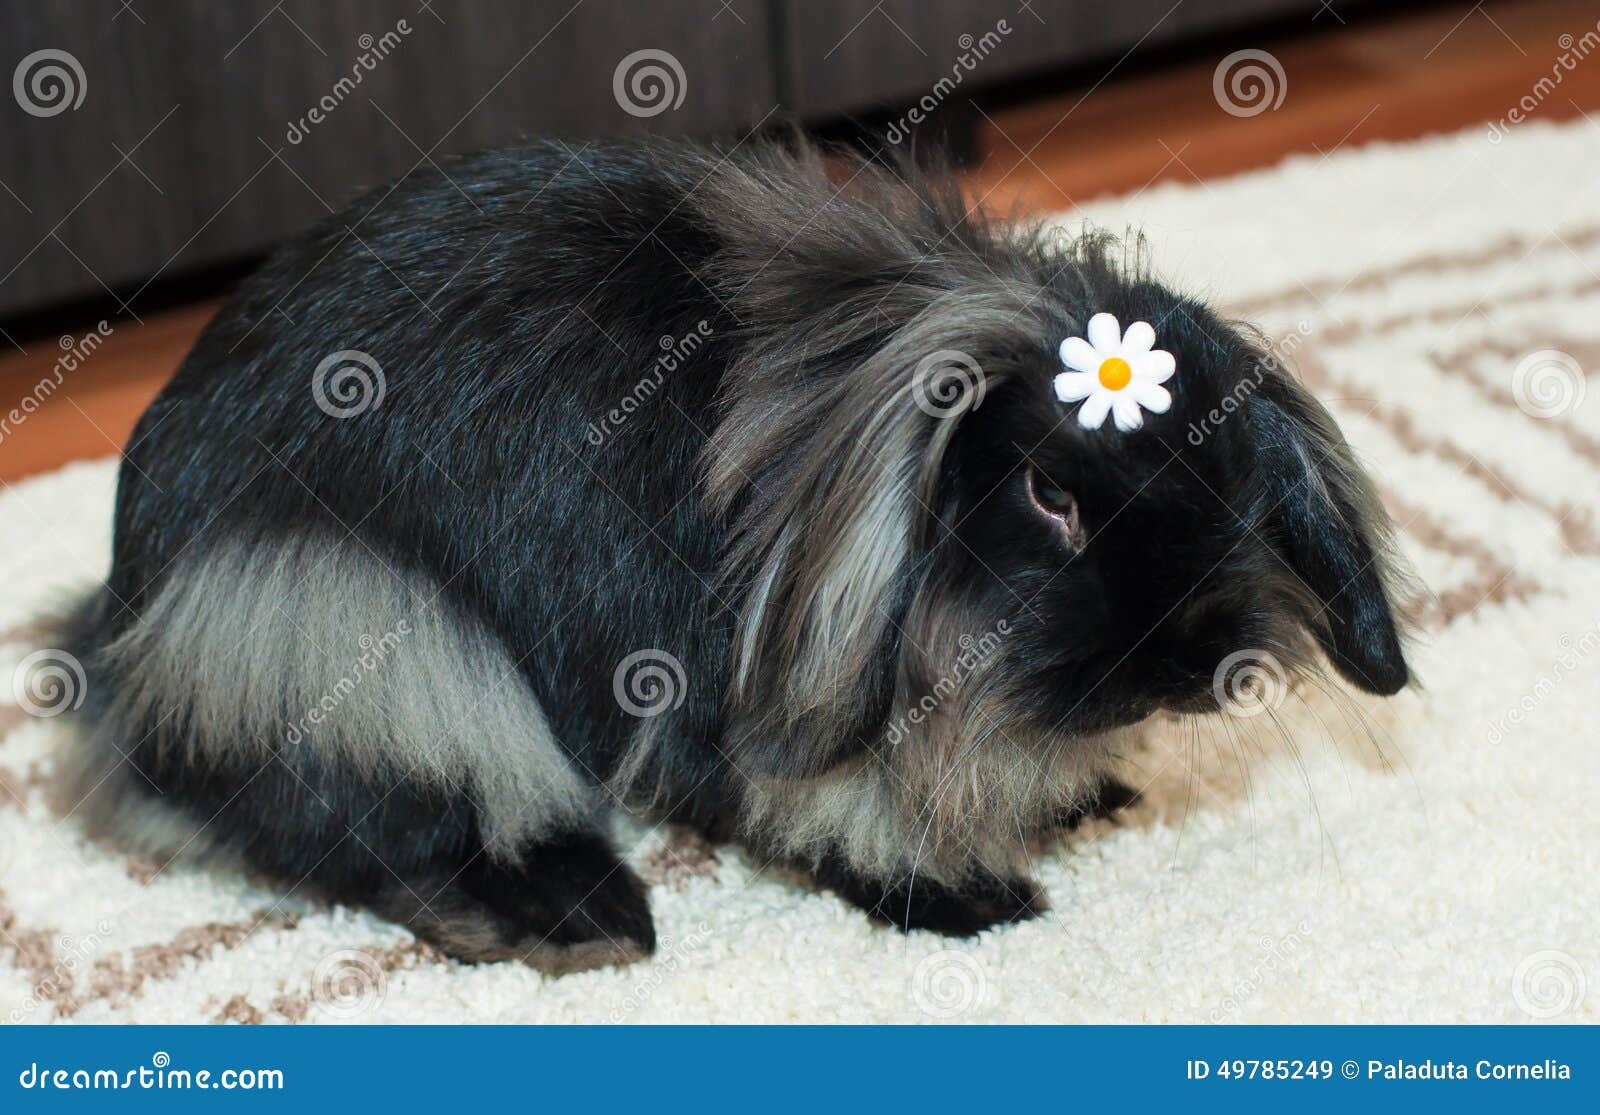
(1115, 373)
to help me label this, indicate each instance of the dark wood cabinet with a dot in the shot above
(194, 132)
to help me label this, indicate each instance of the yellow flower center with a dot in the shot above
(1115, 374)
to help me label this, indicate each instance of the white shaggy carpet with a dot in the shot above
(1431, 859)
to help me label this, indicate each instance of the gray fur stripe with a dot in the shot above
(316, 643)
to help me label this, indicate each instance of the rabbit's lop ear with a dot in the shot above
(1326, 521)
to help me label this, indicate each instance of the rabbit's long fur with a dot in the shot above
(701, 484)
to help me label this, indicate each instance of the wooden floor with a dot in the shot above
(1445, 68)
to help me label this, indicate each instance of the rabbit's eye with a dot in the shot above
(1058, 504)
(1049, 497)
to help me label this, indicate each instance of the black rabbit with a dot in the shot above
(764, 491)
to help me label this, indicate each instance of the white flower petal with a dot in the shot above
(1072, 386)
(1138, 340)
(1125, 410)
(1092, 415)
(1152, 396)
(1077, 353)
(1105, 335)
(1156, 366)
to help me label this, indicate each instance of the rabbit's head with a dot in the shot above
(987, 484)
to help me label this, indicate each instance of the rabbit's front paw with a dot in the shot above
(984, 902)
